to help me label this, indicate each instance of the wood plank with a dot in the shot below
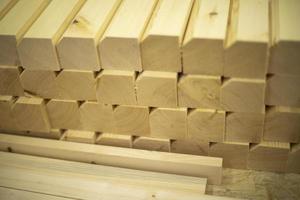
(116, 87)
(285, 49)
(202, 49)
(77, 48)
(152, 144)
(7, 121)
(30, 114)
(199, 166)
(246, 46)
(37, 50)
(168, 123)
(119, 48)
(5, 6)
(244, 127)
(198, 91)
(161, 43)
(268, 156)
(14, 25)
(10, 83)
(283, 90)
(282, 124)
(243, 95)
(206, 124)
(115, 140)
(189, 146)
(293, 163)
(95, 116)
(80, 136)
(64, 114)
(132, 120)
(157, 89)
(235, 155)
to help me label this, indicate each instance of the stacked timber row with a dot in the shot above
(209, 77)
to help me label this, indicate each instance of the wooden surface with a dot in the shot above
(10, 83)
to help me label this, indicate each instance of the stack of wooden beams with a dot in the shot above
(210, 77)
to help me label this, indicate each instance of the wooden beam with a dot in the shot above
(243, 95)
(244, 127)
(283, 90)
(282, 124)
(199, 166)
(119, 48)
(157, 89)
(116, 140)
(14, 25)
(161, 44)
(246, 46)
(7, 121)
(5, 6)
(202, 49)
(206, 125)
(152, 144)
(197, 91)
(132, 120)
(77, 48)
(80, 136)
(168, 123)
(37, 50)
(116, 87)
(293, 163)
(190, 146)
(10, 83)
(285, 48)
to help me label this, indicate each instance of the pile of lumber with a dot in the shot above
(210, 77)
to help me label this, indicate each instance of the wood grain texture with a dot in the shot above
(282, 124)
(10, 83)
(161, 44)
(244, 127)
(132, 120)
(158, 89)
(119, 48)
(206, 125)
(246, 46)
(190, 146)
(116, 87)
(115, 140)
(168, 123)
(199, 166)
(202, 49)
(285, 35)
(80, 136)
(197, 91)
(77, 49)
(243, 95)
(37, 50)
(14, 25)
(151, 143)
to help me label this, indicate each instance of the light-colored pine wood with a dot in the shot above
(293, 163)
(119, 48)
(116, 87)
(168, 123)
(10, 81)
(157, 89)
(7, 121)
(285, 49)
(199, 166)
(197, 91)
(161, 44)
(53, 134)
(5, 6)
(116, 140)
(269, 156)
(206, 125)
(246, 46)
(235, 155)
(202, 50)
(244, 127)
(152, 144)
(30, 114)
(37, 49)
(282, 124)
(64, 114)
(80, 136)
(95, 116)
(243, 95)
(132, 120)
(190, 146)
(283, 90)
(14, 25)
(77, 48)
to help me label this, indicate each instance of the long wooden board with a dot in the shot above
(5, 6)
(189, 165)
